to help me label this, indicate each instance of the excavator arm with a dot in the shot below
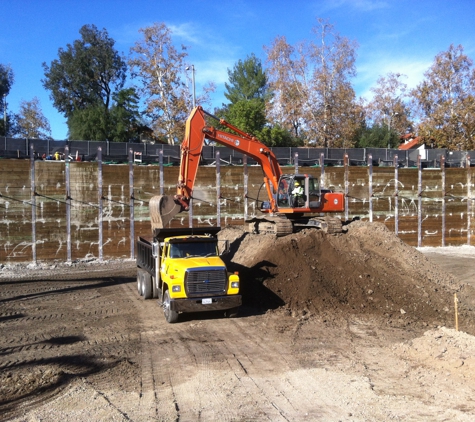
(196, 133)
(163, 209)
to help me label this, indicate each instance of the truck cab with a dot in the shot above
(182, 268)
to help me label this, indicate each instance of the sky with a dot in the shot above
(399, 36)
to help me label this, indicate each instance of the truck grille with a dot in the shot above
(205, 282)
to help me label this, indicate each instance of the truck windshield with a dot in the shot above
(188, 249)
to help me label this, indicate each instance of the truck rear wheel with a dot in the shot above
(139, 281)
(170, 316)
(146, 285)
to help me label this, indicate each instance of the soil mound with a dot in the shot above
(367, 270)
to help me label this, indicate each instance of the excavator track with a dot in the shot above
(279, 226)
(334, 225)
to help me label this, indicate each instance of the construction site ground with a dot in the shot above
(349, 327)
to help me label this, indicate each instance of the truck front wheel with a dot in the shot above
(231, 313)
(170, 316)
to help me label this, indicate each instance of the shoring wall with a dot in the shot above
(56, 210)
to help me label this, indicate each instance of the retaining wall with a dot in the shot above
(53, 210)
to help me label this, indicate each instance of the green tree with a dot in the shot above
(84, 78)
(31, 121)
(377, 136)
(247, 81)
(247, 115)
(92, 123)
(247, 92)
(6, 81)
(277, 136)
(126, 116)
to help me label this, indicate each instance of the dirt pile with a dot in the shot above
(367, 271)
(444, 349)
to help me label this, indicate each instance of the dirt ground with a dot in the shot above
(350, 327)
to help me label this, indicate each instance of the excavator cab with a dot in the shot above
(298, 191)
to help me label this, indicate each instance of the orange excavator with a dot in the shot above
(294, 201)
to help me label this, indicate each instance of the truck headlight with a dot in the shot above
(235, 285)
(176, 289)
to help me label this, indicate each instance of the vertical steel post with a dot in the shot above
(469, 200)
(100, 197)
(160, 162)
(442, 172)
(218, 190)
(296, 162)
(33, 202)
(396, 195)
(131, 203)
(68, 204)
(370, 186)
(419, 205)
(347, 184)
(246, 182)
(322, 170)
(190, 213)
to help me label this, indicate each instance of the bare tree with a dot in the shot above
(31, 121)
(312, 90)
(445, 100)
(286, 83)
(160, 67)
(388, 106)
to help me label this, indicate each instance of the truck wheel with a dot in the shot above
(170, 316)
(139, 281)
(231, 313)
(146, 285)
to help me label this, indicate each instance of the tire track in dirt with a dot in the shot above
(155, 389)
(200, 366)
(54, 333)
(253, 360)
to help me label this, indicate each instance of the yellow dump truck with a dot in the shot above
(182, 268)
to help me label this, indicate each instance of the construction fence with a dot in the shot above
(117, 153)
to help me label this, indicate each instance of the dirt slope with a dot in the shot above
(367, 271)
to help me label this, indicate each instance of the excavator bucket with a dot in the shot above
(162, 209)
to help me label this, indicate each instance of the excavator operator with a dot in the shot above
(297, 193)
